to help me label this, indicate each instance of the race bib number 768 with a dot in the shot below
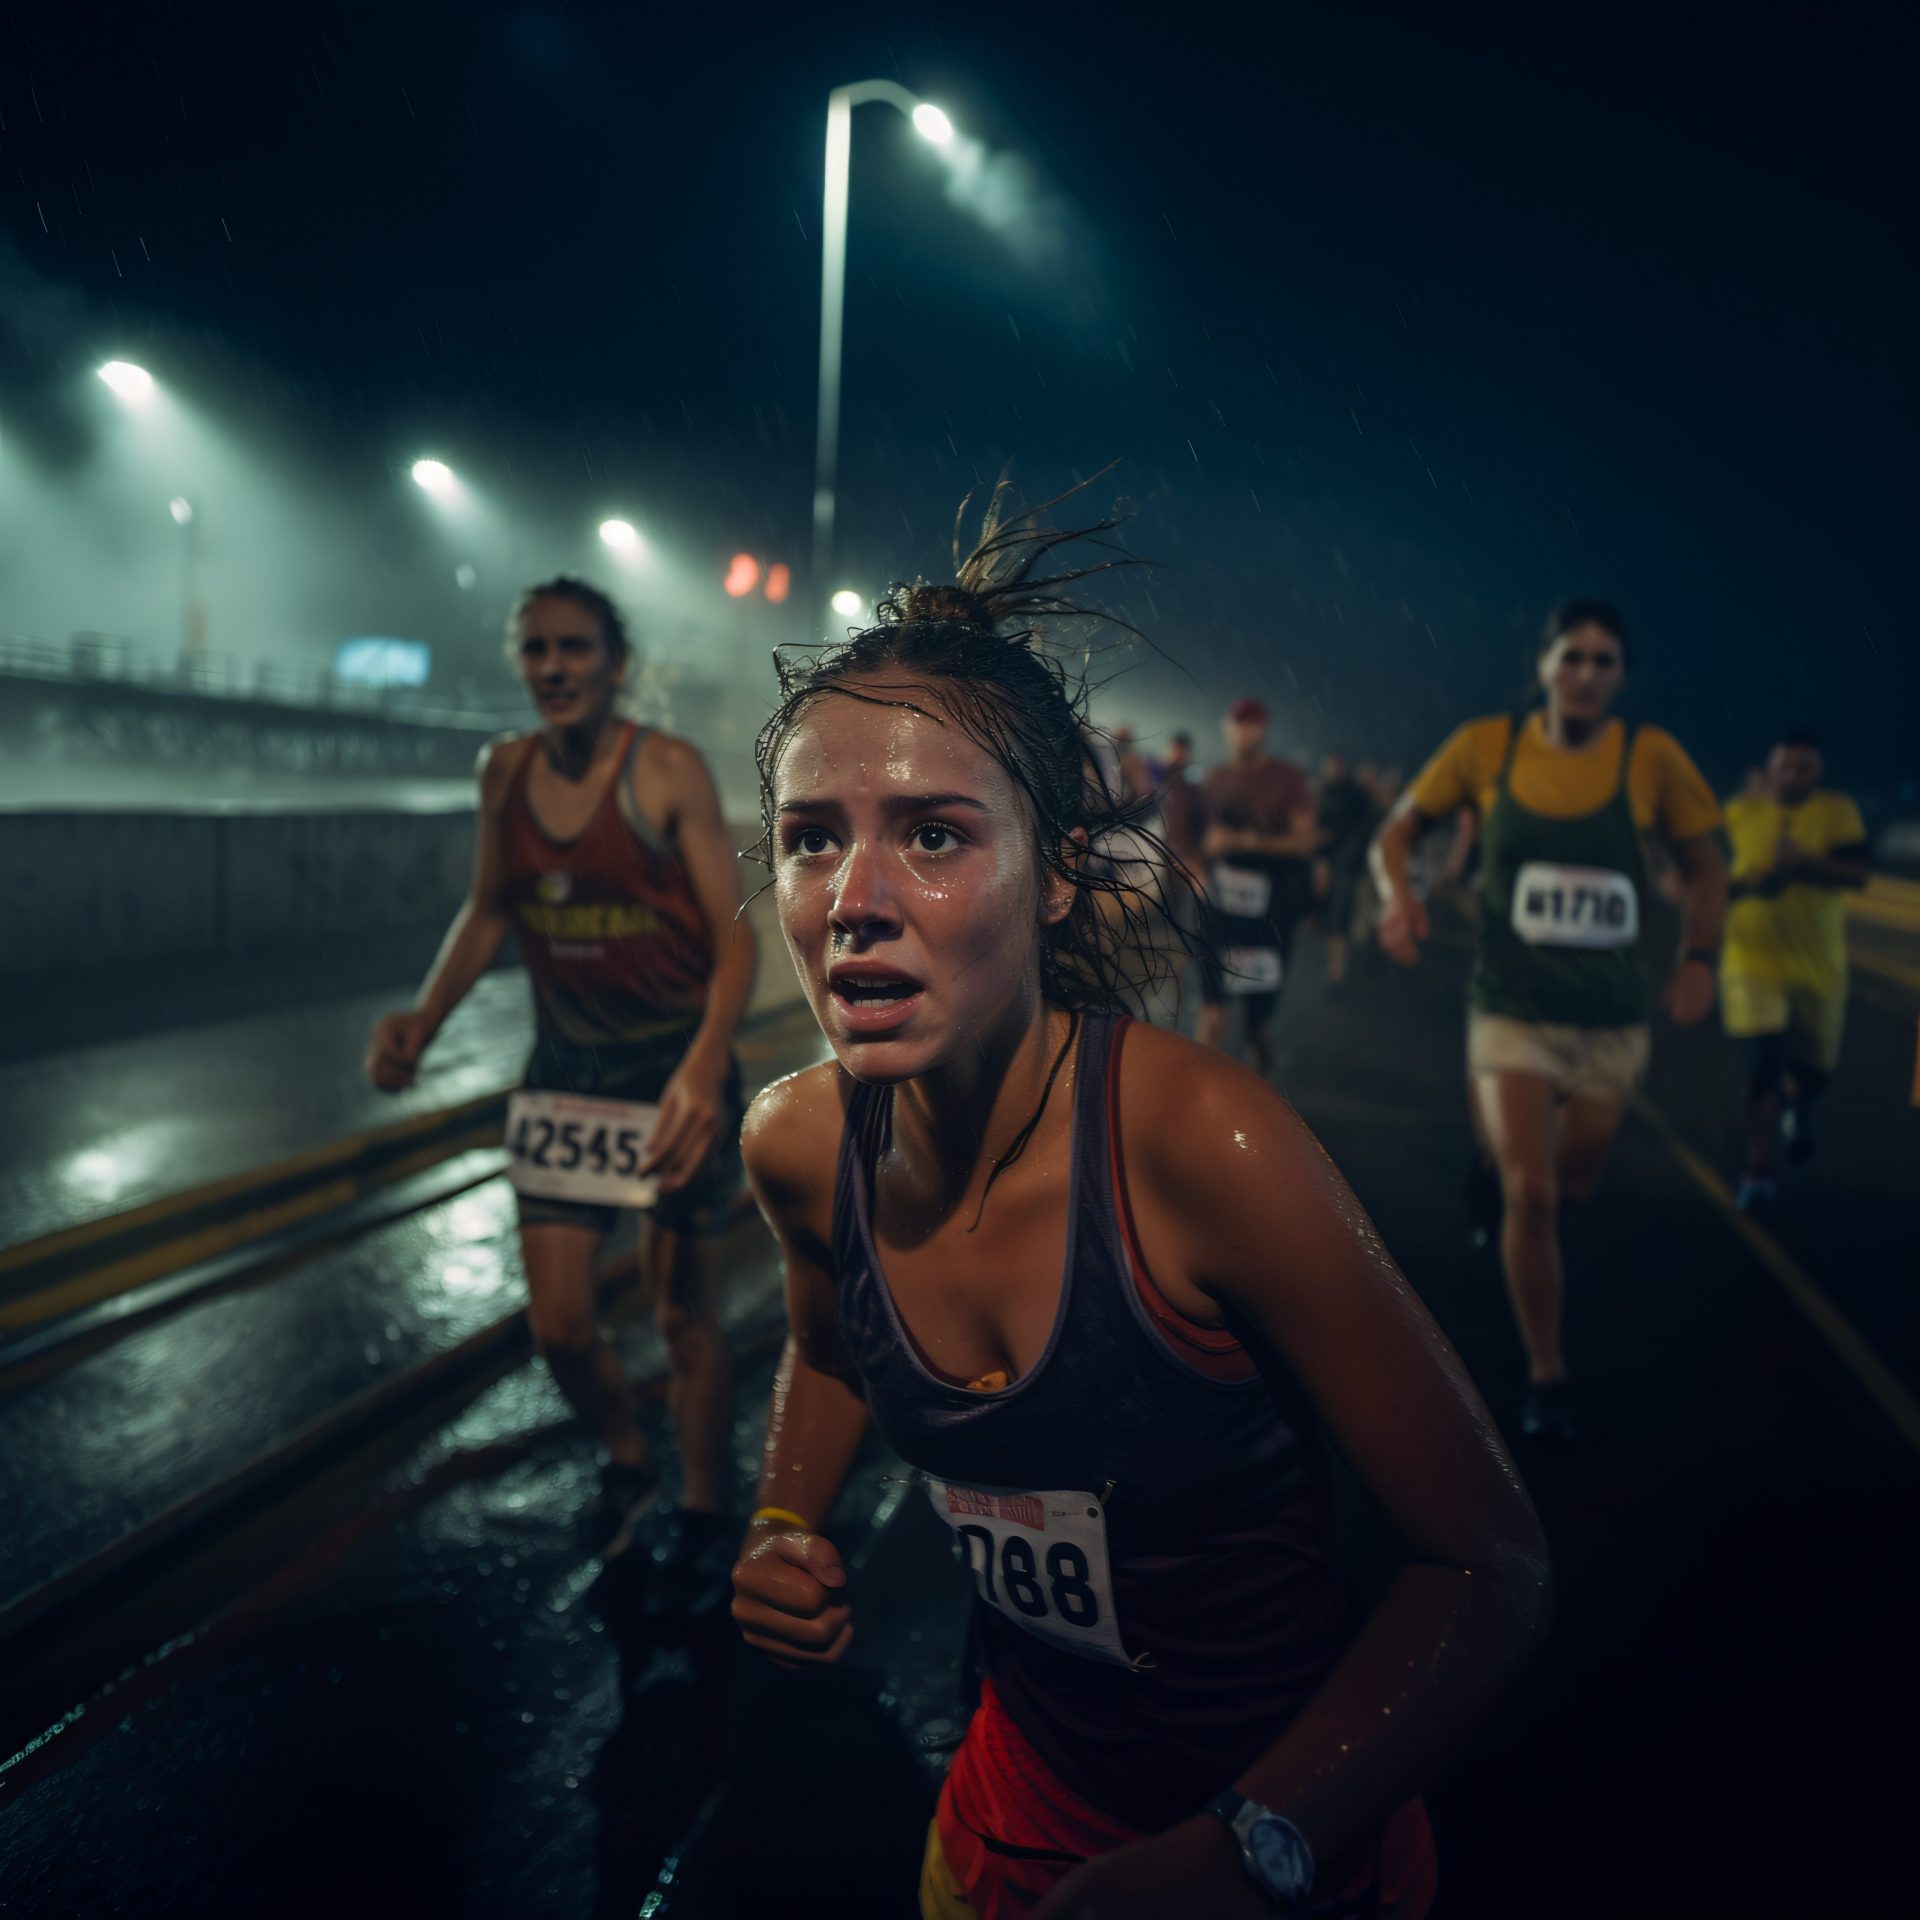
(1040, 1559)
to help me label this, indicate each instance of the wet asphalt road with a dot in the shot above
(425, 1701)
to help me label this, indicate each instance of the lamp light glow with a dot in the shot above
(622, 536)
(847, 604)
(128, 381)
(779, 581)
(743, 575)
(434, 475)
(931, 124)
(182, 510)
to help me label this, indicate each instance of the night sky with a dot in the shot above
(1401, 328)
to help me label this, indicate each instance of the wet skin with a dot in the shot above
(948, 900)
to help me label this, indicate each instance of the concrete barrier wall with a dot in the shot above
(98, 890)
(85, 890)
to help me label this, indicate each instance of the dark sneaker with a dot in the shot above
(1547, 1418)
(1756, 1196)
(627, 1496)
(693, 1564)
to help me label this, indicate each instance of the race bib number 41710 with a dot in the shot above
(1039, 1558)
(567, 1146)
(1574, 906)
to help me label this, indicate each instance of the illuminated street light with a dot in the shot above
(743, 575)
(623, 537)
(932, 125)
(131, 383)
(182, 510)
(848, 604)
(779, 582)
(434, 475)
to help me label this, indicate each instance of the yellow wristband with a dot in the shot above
(785, 1514)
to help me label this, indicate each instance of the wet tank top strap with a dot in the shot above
(641, 827)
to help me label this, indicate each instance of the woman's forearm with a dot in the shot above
(814, 1428)
(1389, 854)
(465, 954)
(1705, 919)
(1436, 1652)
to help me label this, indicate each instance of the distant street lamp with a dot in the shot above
(434, 476)
(192, 626)
(133, 384)
(623, 537)
(848, 604)
(932, 125)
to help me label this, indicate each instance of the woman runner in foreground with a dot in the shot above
(1103, 1290)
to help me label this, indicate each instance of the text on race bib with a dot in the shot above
(1240, 891)
(569, 1146)
(1592, 907)
(1040, 1559)
(1250, 970)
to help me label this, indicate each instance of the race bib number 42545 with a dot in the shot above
(1039, 1558)
(1574, 906)
(567, 1146)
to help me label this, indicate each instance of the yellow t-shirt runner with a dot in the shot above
(1799, 937)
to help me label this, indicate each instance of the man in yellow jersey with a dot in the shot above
(1783, 971)
(1557, 1029)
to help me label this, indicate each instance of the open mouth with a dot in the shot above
(879, 993)
(870, 996)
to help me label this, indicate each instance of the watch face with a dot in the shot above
(1281, 1860)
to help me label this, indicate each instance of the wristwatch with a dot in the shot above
(1272, 1849)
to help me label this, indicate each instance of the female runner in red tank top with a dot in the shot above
(1101, 1288)
(601, 845)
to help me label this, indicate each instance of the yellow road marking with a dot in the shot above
(348, 1148)
(1866, 1366)
(1898, 972)
(93, 1284)
(333, 1176)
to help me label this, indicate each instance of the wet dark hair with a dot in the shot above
(1583, 611)
(583, 593)
(969, 649)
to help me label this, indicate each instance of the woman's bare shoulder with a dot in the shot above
(791, 1137)
(1193, 1117)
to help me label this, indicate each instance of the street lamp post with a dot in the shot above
(932, 125)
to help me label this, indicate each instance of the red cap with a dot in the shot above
(1248, 708)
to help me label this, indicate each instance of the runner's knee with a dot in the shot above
(562, 1330)
(1531, 1191)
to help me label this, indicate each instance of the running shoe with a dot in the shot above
(1757, 1196)
(1547, 1417)
(627, 1495)
(692, 1565)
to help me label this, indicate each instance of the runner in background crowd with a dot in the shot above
(1257, 838)
(1557, 1032)
(1797, 846)
(601, 845)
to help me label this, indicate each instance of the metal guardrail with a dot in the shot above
(117, 660)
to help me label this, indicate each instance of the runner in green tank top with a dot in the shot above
(1557, 1035)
